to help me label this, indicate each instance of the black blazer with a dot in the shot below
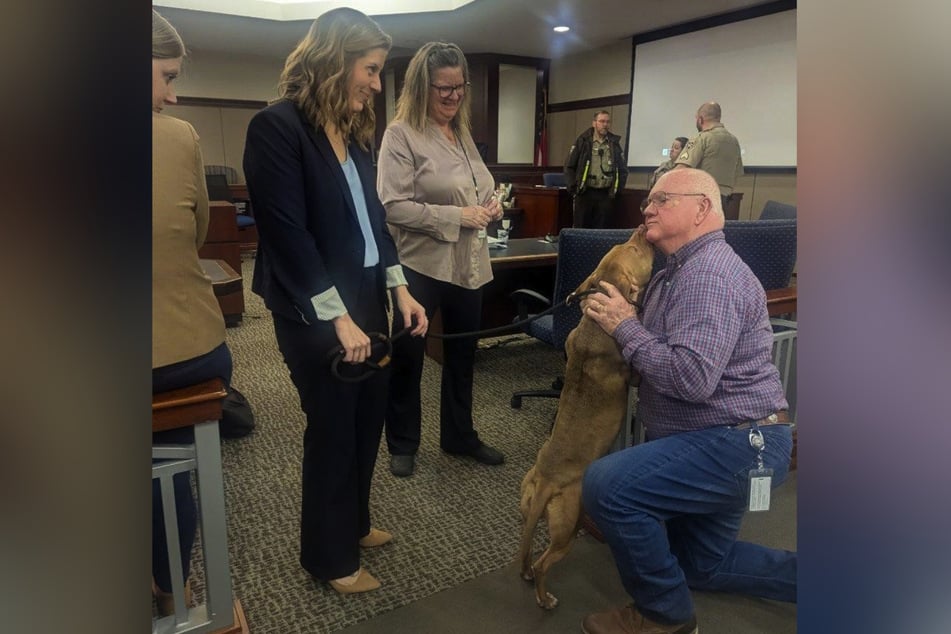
(309, 238)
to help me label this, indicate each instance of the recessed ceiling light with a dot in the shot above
(561, 29)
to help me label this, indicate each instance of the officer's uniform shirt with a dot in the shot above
(601, 171)
(716, 152)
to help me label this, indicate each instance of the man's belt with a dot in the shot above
(779, 418)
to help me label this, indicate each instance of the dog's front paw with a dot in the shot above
(528, 574)
(549, 602)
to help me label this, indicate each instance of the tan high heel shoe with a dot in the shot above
(364, 583)
(375, 538)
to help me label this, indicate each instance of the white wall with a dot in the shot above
(222, 130)
(749, 67)
(516, 114)
(213, 75)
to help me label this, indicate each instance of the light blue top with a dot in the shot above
(371, 255)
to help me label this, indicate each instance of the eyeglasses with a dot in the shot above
(445, 91)
(660, 199)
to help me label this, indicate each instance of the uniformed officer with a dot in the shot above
(594, 171)
(714, 150)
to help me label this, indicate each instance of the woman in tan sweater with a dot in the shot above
(188, 330)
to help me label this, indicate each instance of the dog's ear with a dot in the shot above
(624, 287)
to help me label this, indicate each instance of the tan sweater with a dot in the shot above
(186, 319)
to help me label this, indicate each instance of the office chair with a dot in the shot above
(579, 252)
(230, 173)
(554, 179)
(767, 246)
(774, 210)
(217, 185)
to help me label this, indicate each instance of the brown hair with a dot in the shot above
(316, 72)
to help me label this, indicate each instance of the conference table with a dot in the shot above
(523, 263)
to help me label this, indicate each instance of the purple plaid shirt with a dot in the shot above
(704, 345)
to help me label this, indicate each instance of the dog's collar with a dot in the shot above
(578, 295)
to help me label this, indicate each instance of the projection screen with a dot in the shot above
(749, 67)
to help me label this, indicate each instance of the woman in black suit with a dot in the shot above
(325, 261)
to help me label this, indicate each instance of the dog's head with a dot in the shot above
(624, 265)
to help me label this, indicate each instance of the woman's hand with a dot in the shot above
(476, 216)
(355, 342)
(494, 207)
(608, 308)
(410, 308)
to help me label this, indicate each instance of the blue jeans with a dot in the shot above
(670, 509)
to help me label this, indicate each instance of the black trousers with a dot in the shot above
(341, 440)
(461, 310)
(592, 208)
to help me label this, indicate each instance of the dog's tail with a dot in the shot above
(533, 505)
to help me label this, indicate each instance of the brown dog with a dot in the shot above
(592, 405)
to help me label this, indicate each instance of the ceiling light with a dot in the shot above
(561, 29)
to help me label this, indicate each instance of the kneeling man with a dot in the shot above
(715, 416)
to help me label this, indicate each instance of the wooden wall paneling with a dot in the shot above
(207, 123)
(769, 186)
(745, 184)
(234, 124)
(561, 134)
(482, 132)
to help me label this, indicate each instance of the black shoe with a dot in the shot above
(484, 454)
(402, 466)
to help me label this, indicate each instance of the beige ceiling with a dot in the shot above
(514, 27)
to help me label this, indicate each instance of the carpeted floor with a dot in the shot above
(454, 521)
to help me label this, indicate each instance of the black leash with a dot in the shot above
(378, 339)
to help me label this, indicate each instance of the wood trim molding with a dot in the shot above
(221, 103)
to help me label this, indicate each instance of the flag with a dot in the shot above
(541, 149)
(541, 132)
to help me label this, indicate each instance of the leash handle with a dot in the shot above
(337, 353)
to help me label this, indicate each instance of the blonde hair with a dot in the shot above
(413, 104)
(316, 72)
(166, 42)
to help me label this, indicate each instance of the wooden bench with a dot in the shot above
(198, 406)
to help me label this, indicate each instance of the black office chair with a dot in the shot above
(579, 252)
(774, 210)
(554, 179)
(217, 185)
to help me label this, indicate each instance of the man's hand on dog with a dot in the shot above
(609, 308)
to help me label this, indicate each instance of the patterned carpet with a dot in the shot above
(453, 520)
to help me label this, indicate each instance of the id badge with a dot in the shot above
(761, 481)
